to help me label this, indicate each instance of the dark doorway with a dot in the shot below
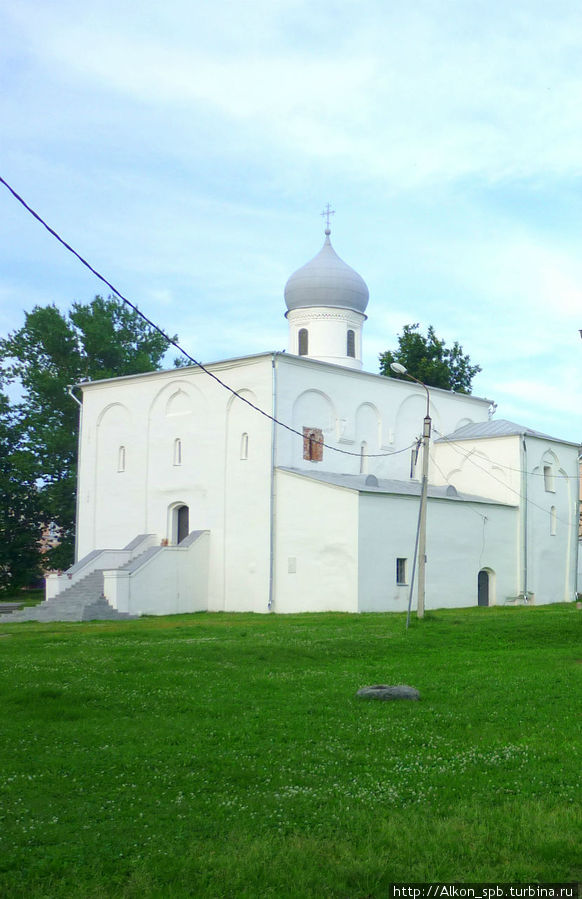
(483, 588)
(183, 523)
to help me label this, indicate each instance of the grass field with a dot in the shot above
(227, 756)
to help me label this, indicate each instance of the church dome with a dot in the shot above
(326, 281)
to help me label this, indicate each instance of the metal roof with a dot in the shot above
(495, 428)
(389, 486)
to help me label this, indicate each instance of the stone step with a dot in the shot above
(83, 601)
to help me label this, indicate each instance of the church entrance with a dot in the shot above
(483, 588)
(181, 523)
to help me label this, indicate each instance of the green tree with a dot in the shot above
(20, 516)
(96, 340)
(430, 360)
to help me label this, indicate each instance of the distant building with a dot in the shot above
(50, 538)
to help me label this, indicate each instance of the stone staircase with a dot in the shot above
(84, 601)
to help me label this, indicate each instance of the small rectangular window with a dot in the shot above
(401, 571)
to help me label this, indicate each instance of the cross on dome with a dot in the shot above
(327, 212)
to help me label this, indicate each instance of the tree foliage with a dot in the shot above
(430, 360)
(96, 340)
(20, 517)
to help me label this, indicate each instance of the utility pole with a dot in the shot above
(423, 509)
(400, 369)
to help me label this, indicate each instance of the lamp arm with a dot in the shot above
(422, 384)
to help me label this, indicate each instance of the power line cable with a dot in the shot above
(180, 349)
(536, 474)
(445, 478)
(468, 456)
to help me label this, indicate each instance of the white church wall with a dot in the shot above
(552, 520)
(493, 467)
(247, 507)
(185, 405)
(344, 415)
(483, 467)
(112, 469)
(316, 550)
(463, 538)
(178, 450)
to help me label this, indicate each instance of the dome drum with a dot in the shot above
(327, 334)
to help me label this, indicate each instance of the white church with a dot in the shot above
(190, 499)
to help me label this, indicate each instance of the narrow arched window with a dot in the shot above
(549, 479)
(244, 446)
(553, 521)
(303, 342)
(121, 459)
(351, 344)
(177, 451)
(364, 458)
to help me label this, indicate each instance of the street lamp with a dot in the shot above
(421, 530)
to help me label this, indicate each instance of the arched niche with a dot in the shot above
(116, 473)
(177, 437)
(368, 426)
(247, 449)
(314, 408)
(115, 438)
(179, 403)
(476, 474)
(242, 424)
(176, 398)
(114, 415)
(409, 417)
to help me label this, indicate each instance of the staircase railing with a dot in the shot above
(98, 560)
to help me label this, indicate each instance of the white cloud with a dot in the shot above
(186, 149)
(400, 93)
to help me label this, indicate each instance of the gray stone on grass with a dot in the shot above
(386, 692)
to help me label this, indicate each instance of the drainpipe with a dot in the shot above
(80, 404)
(524, 495)
(272, 497)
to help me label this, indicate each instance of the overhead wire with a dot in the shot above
(469, 457)
(172, 342)
(539, 474)
(443, 475)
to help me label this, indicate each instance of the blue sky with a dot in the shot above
(187, 149)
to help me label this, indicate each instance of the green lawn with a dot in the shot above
(226, 755)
